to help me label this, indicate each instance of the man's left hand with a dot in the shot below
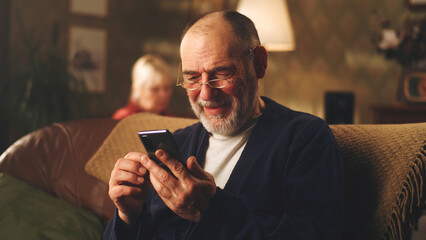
(189, 193)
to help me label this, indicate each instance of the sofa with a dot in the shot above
(54, 181)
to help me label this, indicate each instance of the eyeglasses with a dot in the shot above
(192, 81)
(214, 83)
(222, 77)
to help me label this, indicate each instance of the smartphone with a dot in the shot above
(160, 139)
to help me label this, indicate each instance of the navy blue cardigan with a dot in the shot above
(287, 184)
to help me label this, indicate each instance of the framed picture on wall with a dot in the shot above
(412, 87)
(87, 58)
(97, 8)
(416, 4)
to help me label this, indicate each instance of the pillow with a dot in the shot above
(28, 213)
(124, 138)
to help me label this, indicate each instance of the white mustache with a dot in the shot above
(214, 103)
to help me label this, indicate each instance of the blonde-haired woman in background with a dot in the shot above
(152, 84)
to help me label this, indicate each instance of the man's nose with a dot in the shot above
(205, 90)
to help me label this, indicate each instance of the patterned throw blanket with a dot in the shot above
(384, 178)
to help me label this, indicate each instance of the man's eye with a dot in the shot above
(223, 75)
(191, 78)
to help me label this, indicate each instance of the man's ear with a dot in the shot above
(261, 61)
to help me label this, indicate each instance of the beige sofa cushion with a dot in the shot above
(124, 138)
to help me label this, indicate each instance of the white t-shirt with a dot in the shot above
(223, 153)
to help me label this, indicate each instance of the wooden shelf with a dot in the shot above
(393, 113)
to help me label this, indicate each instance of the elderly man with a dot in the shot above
(254, 170)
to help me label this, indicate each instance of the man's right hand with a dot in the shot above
(129, 186)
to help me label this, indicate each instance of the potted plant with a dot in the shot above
(39, 90)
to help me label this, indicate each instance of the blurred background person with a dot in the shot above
(151, 90)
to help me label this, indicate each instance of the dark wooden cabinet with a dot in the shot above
(387, 114)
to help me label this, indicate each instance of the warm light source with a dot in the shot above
(272, 21)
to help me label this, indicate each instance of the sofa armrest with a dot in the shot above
(53, 159)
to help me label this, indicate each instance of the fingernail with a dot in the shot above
(160, 153)
(142, 170)
(140, 179)
(144, 160)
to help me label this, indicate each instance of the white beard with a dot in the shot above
(241, 112)
(224, 125)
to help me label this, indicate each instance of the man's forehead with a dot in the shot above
(205, 52)
(208, 40)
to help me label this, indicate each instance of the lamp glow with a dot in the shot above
(272, 21)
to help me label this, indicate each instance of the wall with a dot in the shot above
(334, 50)
(134, 27)
(4, 71)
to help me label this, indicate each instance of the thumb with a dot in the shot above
(195, 168)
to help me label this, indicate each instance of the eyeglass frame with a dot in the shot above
(180, 84)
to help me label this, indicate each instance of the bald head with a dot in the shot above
(205, 23)
(242, 29)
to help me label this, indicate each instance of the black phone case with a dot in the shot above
(160, 139)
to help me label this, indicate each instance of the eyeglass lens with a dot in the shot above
(214, 83)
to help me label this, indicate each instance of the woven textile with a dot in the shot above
(384, 178)
(124, 138)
